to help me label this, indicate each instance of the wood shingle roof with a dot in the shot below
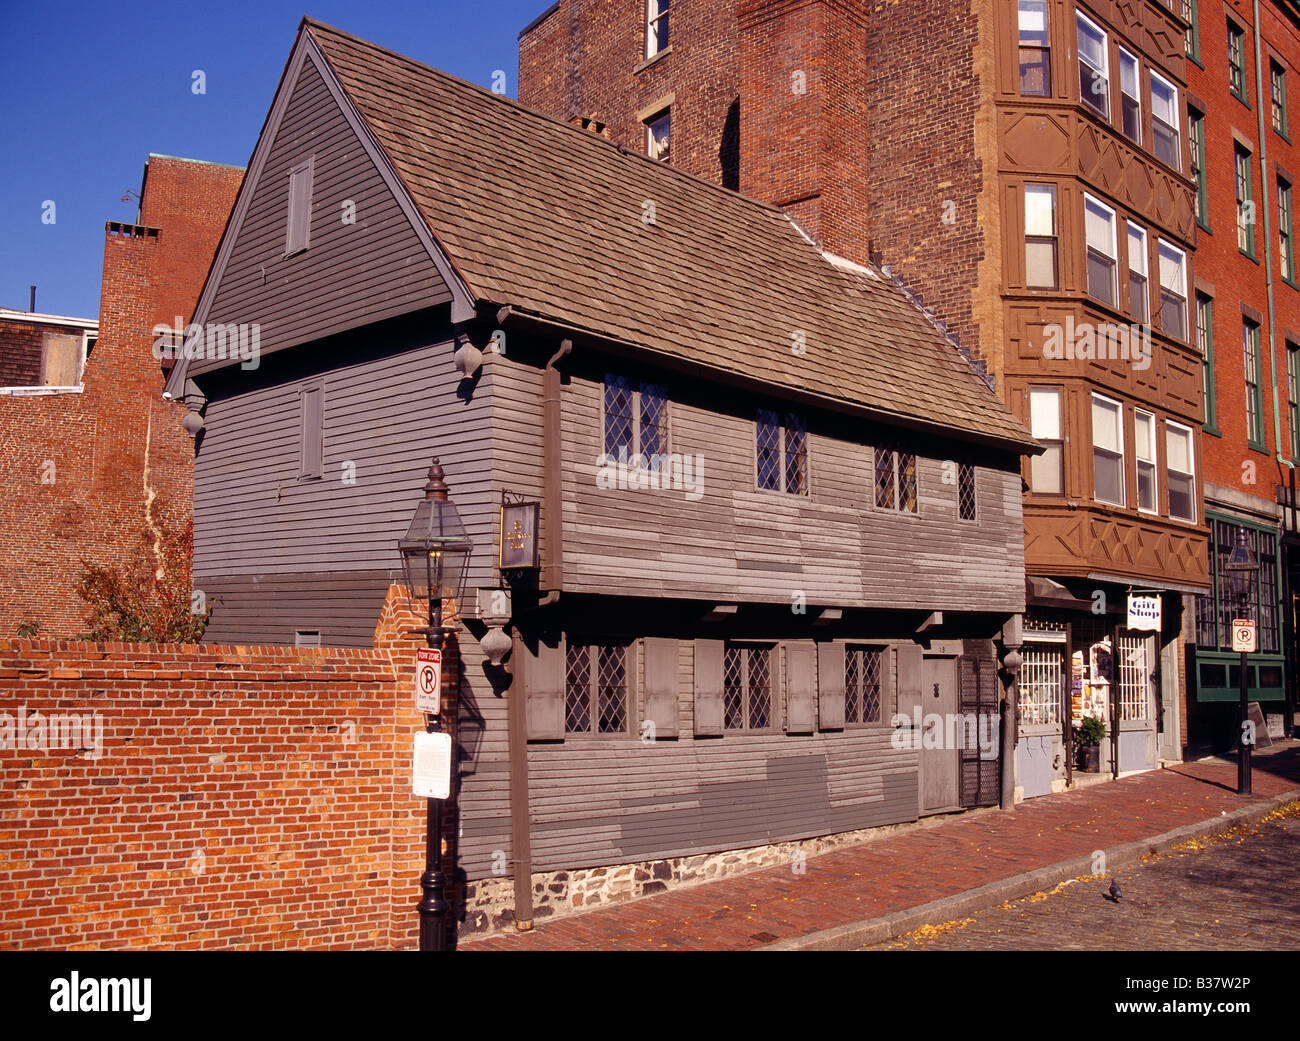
(562, 224)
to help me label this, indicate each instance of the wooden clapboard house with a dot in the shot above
(706, 665)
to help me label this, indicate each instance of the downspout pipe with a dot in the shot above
(1268, 241)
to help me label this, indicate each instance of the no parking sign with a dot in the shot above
(428, 680)
(1243, 635)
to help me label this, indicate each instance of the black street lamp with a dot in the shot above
(1242, 568)
(435, 563)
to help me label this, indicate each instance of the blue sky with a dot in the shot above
(90, 89)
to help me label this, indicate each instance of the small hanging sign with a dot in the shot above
(1144, 613)
(431, 766)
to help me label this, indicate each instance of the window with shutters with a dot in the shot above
(1196, 133)
(1193, 41)
(596, 689)
(1277, 91)
(747, 700)
(1205, 343)
(864, 675)
(312, 432)
(298, 230)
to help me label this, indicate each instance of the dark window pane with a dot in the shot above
(1101, 277)
(769, 451)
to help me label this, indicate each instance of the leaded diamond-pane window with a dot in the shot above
(884, 478)
(747, 687)
(965, 491)
(596, 688)
(862, 680)
(618, 416)
(896, 480)
(636, 422)
(781, 453)
(577, 690)
(769, 451)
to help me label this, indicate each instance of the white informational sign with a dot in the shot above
(431, 766)
(428, 680)
(1144, 613)
(1243, 635)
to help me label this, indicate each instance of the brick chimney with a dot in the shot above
(803, 116)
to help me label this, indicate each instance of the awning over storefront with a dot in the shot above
(1046, 592)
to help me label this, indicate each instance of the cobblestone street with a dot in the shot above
(1235, 891)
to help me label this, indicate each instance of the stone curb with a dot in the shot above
(876, 930)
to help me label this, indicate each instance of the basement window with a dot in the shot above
(298, 225)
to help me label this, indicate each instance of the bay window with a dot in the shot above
(1107, 451)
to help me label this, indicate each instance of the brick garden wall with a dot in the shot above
(245, 797)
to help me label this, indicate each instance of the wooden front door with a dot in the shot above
(939, 755)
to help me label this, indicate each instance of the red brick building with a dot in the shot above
(1247, 307)
(1023, 167)
(89, 466)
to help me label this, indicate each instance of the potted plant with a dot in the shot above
(1088, 735)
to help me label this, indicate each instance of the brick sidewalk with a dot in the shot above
(912, 868)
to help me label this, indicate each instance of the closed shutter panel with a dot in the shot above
(799, 687)
(661, 682)
(61, 360)
(312, 430)
(544, 686)
(708, 688)
(830, 686)
(910, 675)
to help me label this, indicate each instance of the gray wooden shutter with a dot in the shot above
(544, 686)
(800, 684)
(708, 688)
(312, 431)
(910, 677)
(830, 686)
(298, 226)
(661, 684)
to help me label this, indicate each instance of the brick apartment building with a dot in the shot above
(1023, 167)
(91, 456)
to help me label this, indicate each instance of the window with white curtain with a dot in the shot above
(1173, 291)
(1165, 121)
(1107, 451)
(1046, 471)
(1181, 466)
(1094, 67)
(1130, 96)
(1138, 292)
(1099, 227)
(1144, 448)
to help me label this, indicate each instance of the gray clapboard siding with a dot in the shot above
(351, 274)
(385, 417)
(736, 542)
